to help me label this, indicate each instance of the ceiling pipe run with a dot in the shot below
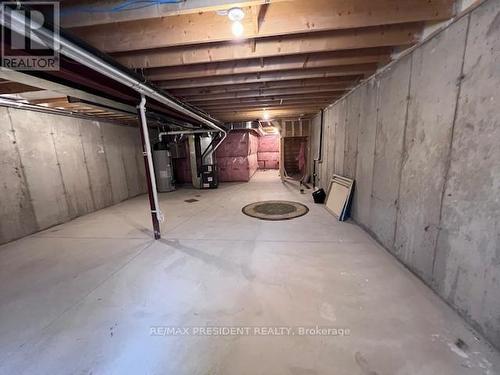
(18, 23)
(177, 132)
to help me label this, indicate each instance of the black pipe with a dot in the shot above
(154, 209)
(320, 151)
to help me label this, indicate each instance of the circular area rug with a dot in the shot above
(275, 210)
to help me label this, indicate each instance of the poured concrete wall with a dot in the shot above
(55, 168)
(422, 140)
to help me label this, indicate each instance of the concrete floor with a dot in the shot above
(81, 298)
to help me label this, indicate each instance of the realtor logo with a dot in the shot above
(24, 46)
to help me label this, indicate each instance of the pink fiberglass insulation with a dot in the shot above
(237, 156)
(268, 160)
(253, 142)
(268, 156)
(237, 168)
(302, 158)
(269, 143)
(237, 143)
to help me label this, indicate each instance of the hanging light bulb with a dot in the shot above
(236, 15)
(265, 115)
(237, 29)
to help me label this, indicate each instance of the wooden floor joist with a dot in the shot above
(303, 91)
(334, 71)
(315, 15)
(9, 87)
(256, 99)
(271, 104)
(293, 62)
(345, 82)
(370, 37)
(294, 57)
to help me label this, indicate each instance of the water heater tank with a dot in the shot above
(163, 168)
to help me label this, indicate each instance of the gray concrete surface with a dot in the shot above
(340, 117)
(361, 205)
(15, 195)
(97, 166)
(467, 270)
(427, 144)
(353, 114)
(56, 168)
(81, 298)
(389, 139)
(434, 181)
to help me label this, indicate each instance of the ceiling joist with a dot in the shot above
(295, 56)
(338, 82)
(335, 71)
(294, 62)
(315, 15)
(266, 93)
(370, 37)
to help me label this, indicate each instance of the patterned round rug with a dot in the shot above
(275, 210)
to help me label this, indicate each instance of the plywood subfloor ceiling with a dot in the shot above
(296, 57)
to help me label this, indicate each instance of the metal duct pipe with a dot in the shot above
(176, 132)
(17, 22)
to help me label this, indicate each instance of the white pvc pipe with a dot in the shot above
(17, 22)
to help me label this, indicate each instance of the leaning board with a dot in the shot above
(339, 194)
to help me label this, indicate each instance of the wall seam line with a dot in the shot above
(377, 110)
(107, 165)
(403, 152)
(87, 168)
(450, 148)
(23, 173)
(65, 190)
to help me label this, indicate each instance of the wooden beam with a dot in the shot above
(278, 107)
(215, 112)
(370, 37)
(9, 87)
(346, 82)
(259, 99)
(336, 71)
(74, 16)
(255, 115)
(262, 105)
(261, 15)
(290, 99)
(62, 99)
(266, 93)
(287, 18)
(320, 60)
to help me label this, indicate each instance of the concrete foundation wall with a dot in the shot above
(55, 168)
(422, 140)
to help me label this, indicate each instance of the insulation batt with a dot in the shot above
(268, 152)
(237, 156)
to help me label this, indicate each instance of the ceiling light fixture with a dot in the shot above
(265, 114)
(235, 15)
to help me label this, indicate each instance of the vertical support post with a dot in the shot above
(148, 164)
